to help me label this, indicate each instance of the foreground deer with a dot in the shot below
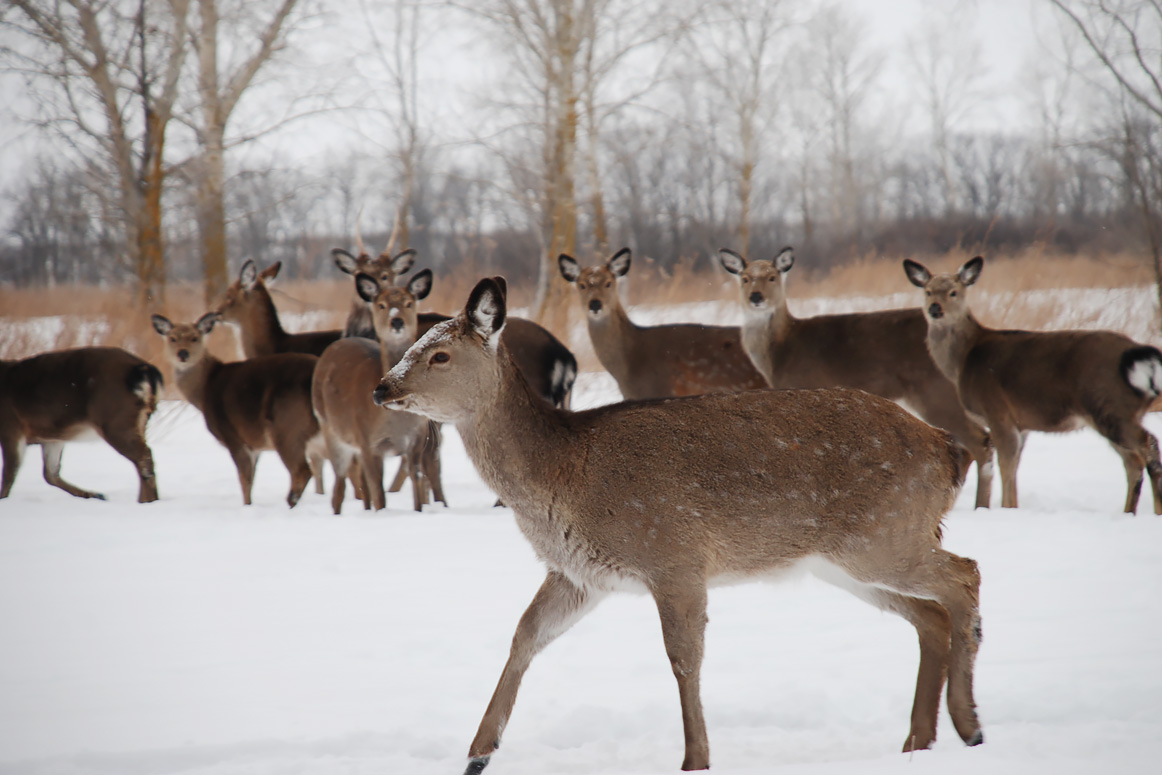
(248, 307)
(359, 434)
(885, 353)
(249, 406)
(56, 397)
(1052, 381)
(670, 496)
(655, 361)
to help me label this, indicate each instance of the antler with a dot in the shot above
(394, 235)
(360, 250)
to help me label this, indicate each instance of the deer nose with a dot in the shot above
(595, 305)
(756, 298)
(379, 395)
(183, 355)
(397, 324)
(935, 311)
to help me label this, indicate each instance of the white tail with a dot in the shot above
(357, 432)
(55, 397)
(248, 307)
(249, 406)
(1052, 381)
(671, 496)
(885, 353)
(655, 361)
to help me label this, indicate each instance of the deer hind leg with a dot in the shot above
(430, 462)
(1010, 442)
(372, 465)
(1139, 451)
(292, 448)
(246, 461)
(52, 452)
(130, 443)
(945, 411)
(13, 447)
(557, 606)
(683, 614)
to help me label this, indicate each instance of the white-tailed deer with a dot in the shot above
(670, 496)
(885, 353)
(1051, 381)
(56, 397)
(358, 433)
(248, 307)
(548, 365)
(655, 361)
(249, 406)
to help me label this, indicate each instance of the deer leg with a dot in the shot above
(292, 448)
(1009, 443)
(557, 606)
(683, 614)
(13, 449)
(52, 452)
(315, 460)
(372, 464)
(130, 443)
(1153, 469)
(430, 462)
(943, 409)
(245, 460)
(1138, 449)
(401, 476)
(1134, 464)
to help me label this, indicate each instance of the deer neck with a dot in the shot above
(762, 331)
(392, 348)
(949, 342)
(262, 333)
(193, 378)
(613, 337)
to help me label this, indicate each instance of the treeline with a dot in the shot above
(748, 124)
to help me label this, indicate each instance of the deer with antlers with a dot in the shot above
(672, 496)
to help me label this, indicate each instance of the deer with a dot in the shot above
(66, 395)
(655, 361)
(249, 406)
(247, 307)
(670, 496)
(883, 352)
(1046, 381)
(359, 434)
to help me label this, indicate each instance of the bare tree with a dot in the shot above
(115, 67)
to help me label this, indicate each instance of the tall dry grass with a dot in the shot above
(41, 319)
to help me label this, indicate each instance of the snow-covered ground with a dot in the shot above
(201, 637)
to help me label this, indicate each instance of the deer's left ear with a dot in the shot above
(421, 285)
(970, 272)
(206, 322)
(403, 261)
(619, 264)
(485, 310)
(248, 275)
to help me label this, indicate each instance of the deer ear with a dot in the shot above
(421, 285)
(206, 322)
(570, 269)
(161, 324)
(345, 261)
(485, 309)
(917, 273)
(270, 272)
(367, 287)
(403, 261)
(619, 264)
(731, 261)
(785, 259)
(970, 272)
(248, 275)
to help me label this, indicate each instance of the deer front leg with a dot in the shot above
(557, 606)
(683, 614)
(1009, 443)
(13, 447)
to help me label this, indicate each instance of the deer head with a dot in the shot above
(596, 286)
(762, 284)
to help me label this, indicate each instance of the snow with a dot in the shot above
(202, 637)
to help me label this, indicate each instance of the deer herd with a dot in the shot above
(740, 453)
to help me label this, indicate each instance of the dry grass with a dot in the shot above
(111, 315)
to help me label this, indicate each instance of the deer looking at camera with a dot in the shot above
(249, 406)
(61, 396)
(1051, 381)
(885, 353)
(670, 496)
(655, 361)
(358, 433)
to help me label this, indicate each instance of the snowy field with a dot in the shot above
(201, 637)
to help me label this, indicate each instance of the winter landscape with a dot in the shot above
(198, 636)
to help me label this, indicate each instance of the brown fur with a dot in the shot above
(656, 361)
(885, 353)
(1051, 381)
(247, 306)
(249, 406)
(669, 496)
(54, 397)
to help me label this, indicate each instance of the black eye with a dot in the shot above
(440, 357)
(581, 286)
(745, 280)
(608, 284)
(382, 306)
(408, 305)
(952, 294)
